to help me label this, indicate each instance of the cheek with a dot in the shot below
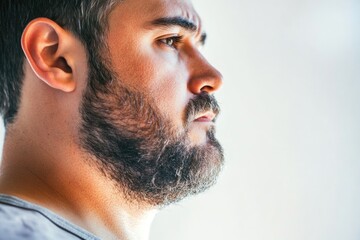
(166, 84)
(159, 74)
(169, 89)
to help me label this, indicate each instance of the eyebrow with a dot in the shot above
(180, 22)
(175, 21)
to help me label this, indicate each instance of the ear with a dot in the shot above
(52, 53)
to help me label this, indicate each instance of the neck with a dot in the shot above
(65, 182)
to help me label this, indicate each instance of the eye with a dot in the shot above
(172, 42)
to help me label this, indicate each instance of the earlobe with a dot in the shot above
(49, 49)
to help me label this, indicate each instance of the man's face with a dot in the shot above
(152, 126)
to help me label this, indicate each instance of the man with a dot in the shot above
(109, 114)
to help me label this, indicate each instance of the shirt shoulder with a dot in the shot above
(23, 220)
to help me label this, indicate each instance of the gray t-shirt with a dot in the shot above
(20, 220)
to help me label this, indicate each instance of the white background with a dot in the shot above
(290, 124)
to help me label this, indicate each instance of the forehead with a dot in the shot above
(135, 12)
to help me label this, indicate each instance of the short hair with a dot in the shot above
(86, 19)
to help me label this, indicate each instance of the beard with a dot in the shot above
(139, 148)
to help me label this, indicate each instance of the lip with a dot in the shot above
(205, 117)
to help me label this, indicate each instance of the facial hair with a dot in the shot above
(139, 148)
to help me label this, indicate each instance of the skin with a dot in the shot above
(181, 73)
(42, 160)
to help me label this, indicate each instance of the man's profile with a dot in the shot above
(109, 114)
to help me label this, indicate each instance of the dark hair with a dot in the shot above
(86, 19)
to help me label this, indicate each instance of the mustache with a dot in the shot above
(202, 103)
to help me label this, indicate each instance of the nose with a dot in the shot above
(203, 76)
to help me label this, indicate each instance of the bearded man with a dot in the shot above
(109, 114)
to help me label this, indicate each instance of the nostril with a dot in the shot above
(207, 89)
(212, 84)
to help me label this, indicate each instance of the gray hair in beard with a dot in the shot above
(138, 148)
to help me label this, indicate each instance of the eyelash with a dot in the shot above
(175, 41)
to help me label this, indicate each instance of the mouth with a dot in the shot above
(205, 117)
(203, 109)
